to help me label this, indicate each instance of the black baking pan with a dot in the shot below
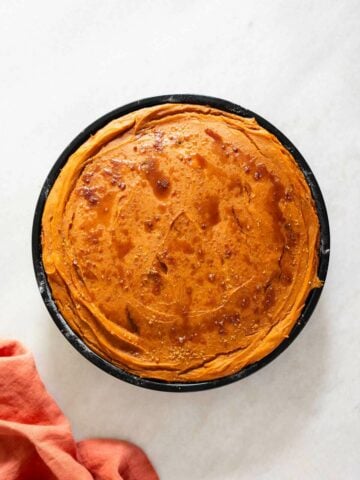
(76, 341)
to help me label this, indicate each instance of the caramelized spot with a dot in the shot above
(157, 179)
(200, 160)
(209, 211)
(123, 248)
(215, 136)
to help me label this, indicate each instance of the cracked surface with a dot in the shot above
(180, 242)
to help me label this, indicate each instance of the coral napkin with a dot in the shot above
(35, 437)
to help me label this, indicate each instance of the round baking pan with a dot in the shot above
(77, 342)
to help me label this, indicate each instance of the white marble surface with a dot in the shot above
(65, 63)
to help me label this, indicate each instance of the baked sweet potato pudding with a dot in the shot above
(181, 242)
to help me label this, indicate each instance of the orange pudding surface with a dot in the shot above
(181, 242)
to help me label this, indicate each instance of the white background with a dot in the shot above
(297, 63)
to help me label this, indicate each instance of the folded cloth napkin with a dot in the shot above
(36, 442)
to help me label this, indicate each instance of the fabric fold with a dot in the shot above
(36, 441)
